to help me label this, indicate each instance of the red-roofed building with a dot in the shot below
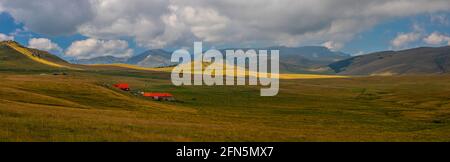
(159, 96)
(122, 86)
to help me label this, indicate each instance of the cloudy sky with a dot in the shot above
(90, 28)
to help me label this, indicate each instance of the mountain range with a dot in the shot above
(309, 59)
(151, 58)
(100, 60)
(423, 60)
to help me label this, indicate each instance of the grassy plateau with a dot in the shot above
(44, 98)
(83, 106)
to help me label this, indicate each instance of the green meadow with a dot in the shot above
(84, 106)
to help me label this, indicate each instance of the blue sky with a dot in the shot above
(379, 37)
(179, 23)
(22, 35)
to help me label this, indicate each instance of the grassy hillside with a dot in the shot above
(14, 56)
(11, 59)
(82, 106)
(423, 60)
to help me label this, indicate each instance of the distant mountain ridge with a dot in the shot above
(308, 59)
(100, 60)
(152, 58)
(423, 60)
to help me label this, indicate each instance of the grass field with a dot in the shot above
(82, 106)
(240, 72)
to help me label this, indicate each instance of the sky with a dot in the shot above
(85, 29)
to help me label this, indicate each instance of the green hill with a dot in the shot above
(11, 59)
(425, 60)
(14, 56)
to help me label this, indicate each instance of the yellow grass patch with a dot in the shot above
(309, 76)
(240, 72)
(37, 59)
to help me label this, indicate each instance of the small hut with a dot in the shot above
(123, 86)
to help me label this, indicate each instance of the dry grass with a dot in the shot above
(82, 107)
(240, 72)
(27, 53)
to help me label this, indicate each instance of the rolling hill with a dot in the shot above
(424, 60)
(15, 56)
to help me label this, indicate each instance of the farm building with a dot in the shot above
(159, 96)
(122, 86)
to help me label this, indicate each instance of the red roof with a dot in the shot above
(157, 95)
(122, 85)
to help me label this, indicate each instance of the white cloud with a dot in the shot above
(334, 46)
(404, 39)
(162, 23)
(44, 44)
(54, 17)
(436, 38)
(90, 48)
(4, 37)
(140, 19)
